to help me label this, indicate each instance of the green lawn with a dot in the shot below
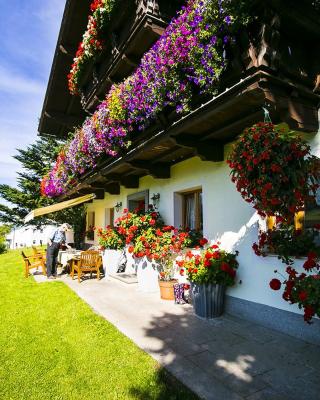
(52, 346)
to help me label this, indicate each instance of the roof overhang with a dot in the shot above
(61, 111)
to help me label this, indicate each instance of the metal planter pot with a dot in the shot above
(208, 299)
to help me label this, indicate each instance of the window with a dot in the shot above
(298, 221)
(138, 200)
(90, 225)
(109, 216)
(192, 210)
(312, 212)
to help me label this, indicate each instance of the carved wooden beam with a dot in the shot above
(99, 192)
(158, 170)
(112, 188)
(128, 181)
(167, 153)
(63, 119)
(206, 150)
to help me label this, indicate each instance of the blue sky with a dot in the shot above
(29, 31)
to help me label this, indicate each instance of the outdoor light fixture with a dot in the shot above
(118, 206)
(155, 198)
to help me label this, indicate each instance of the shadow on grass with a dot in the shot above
(170, 389)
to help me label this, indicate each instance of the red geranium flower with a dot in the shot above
(275, 284)
(303, 295)
(203, 241)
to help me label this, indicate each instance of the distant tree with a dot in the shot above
(4, 230)
(36, 161)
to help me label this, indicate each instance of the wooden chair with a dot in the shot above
(37, 252)
(89, 261)
(34, 261)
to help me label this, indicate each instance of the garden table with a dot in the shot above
(66, 257)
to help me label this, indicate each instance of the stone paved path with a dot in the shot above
(226, 359)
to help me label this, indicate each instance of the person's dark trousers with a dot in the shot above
(52, 253)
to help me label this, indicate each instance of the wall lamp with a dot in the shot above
(155, 198)
(118, 206)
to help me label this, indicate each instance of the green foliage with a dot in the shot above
(110, 238)
(3, 247)
(4, 230)
(54, 347)
(288, 243)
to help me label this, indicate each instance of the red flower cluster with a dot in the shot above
(273, 170)
(212, 265)
(160, 243)
(146, 235)
(302, 289)
(110, 238)
(92, 42)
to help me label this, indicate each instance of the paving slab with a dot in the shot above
(223, 359)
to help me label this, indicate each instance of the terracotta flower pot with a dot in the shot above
(166, 289)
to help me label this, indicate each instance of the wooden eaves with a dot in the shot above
(204, 131)
(61, 111)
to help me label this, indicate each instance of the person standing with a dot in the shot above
(55, 241)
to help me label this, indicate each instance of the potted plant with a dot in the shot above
(131, 225)
(155, 249)
(113, 243)
(166, 278)
(209, 273)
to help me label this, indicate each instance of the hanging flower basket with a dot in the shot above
(274, 170)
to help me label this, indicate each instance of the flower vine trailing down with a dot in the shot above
(186, 60)
(301, 288)
(92, 41)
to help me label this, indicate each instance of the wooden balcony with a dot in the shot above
(205, 131)
(134, 27)
(274, 63)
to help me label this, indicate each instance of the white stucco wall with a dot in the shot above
(226, 217)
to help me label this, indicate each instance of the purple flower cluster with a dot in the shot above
(188, 58)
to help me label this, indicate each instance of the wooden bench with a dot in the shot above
(34, 261)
